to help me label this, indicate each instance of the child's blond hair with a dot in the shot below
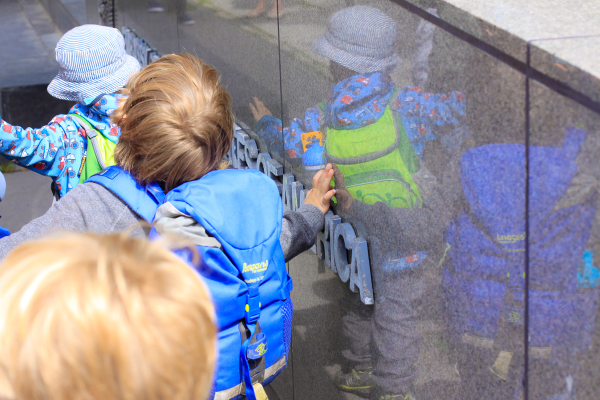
(103, 317)
(176, 123)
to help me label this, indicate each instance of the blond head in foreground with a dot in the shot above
(103, 317)
(176, 122)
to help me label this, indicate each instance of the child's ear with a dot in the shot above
(117, 116)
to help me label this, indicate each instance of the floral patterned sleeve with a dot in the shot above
(423, 114)
(54, 150)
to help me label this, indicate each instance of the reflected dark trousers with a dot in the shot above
(385, 336)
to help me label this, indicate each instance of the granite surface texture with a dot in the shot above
(450, 326)
(565, 33)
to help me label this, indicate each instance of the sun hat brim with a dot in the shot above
(78, 91)
(355, 62)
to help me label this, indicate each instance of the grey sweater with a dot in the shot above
(93, 208)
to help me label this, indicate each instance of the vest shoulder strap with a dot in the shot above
(144, 200)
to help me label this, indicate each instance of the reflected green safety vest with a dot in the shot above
(377, 161)
(103, 152)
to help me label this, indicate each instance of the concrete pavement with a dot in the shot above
(27, 46)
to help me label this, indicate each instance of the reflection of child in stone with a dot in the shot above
(376, 134)
(87, 316)
(261, 8)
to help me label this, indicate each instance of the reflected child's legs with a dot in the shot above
(396, 335)
(358, 327)
(383, 340)
(357, 324)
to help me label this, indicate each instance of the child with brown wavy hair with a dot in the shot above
(176, 122)
(98, 317)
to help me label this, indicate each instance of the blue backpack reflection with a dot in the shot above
(484, 267)
(3, 231)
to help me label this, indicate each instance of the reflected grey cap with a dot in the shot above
(92, 61)
(360, 38)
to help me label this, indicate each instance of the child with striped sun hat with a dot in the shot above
(93, 66)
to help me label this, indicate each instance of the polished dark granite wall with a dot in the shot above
(481, 224)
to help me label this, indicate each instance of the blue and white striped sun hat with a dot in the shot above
(92, 61)
(362, 39)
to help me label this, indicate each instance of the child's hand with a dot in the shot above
(342, 195)
(258, 109)
(321, 192)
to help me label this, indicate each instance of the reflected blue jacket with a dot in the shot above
(485, 265)
(58, 149)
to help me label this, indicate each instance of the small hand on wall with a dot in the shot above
(321, 192)
(342, 195)
(258, 109)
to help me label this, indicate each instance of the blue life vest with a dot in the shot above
(484, 267)
(246, 274)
